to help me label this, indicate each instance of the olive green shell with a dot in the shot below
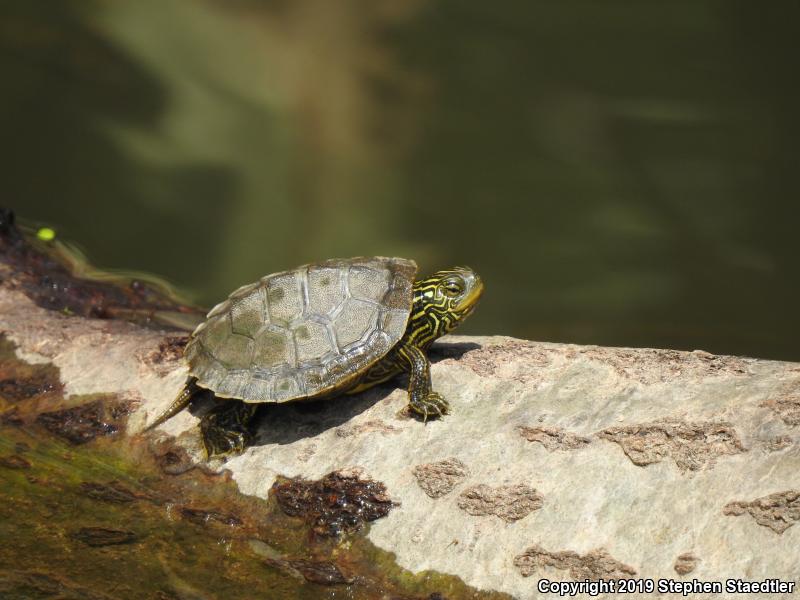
(304, 332)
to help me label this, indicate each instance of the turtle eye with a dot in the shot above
(453, 287)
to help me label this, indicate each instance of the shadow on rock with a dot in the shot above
(289, 422)
(444, 350)
(292, 421)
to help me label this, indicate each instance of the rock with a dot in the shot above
(102, 536)
(558, 461)
(324, 573)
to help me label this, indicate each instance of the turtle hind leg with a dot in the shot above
(225, 429)
(188, 392)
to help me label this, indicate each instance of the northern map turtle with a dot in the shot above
(324, 329)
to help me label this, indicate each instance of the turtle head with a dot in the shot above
(442, 301)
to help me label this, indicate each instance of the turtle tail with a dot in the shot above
(181, 402)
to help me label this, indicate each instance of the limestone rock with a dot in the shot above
(625, 462)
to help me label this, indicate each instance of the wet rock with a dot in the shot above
(203, 517)
(12, 418)
(340, 502)
(25, 389)
(33, 584)
(84, 423)
(433, 596)
(102, 536)
(112, 492)
(320, 572)
(173, 460)
(14, 461)
(20, 381)
(44, 273)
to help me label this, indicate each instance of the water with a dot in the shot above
(619, 173)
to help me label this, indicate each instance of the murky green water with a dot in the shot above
(619, 172)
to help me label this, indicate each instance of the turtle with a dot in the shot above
(321, 330)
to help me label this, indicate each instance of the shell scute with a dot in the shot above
(236, 352)
(365, 283)
(284, 299)
(393, 322)
(286, 387)
(325, 290)
(248, 313)
(312, 342)
(354, 321)
(273, 348)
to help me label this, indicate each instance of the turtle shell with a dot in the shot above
(305, 332)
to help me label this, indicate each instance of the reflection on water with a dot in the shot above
(619, 173)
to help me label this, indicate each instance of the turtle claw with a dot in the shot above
(225, 429)
(433, 405)
(219, 442)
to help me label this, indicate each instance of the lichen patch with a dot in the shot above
(83, 423)
(685, 563)
(650, 366)
(509, 502)
(692, 445)
(786, 403)
(597, 564)
(777, 511)
(439, 478)
(777, 443)
(371, 426)
(489, 360)
(554, 438)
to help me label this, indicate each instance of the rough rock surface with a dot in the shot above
(629, 462)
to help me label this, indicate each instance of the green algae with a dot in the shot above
(118, 516)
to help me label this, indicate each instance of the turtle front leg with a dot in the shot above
(422, 399)
(225, 429)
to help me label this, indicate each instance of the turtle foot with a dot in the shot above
(225, 429)
(433, 405)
